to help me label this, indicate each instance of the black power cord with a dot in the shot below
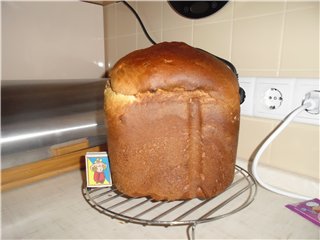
(140, 21)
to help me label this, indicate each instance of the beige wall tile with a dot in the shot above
(125, 45)
(126, 22)
(143, 42)
(300, 49)
(214, 38)
(151, 15)
(247, 9)
(296, 149)
(295, 5)
(183, 34)
(224, 14)
(256, 42)
(172, 20)
(256, 72)
(299, 73)
(252, 132)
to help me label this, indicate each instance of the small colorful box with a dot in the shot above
(98, 169)
(308, 209)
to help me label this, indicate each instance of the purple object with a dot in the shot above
(308, 209)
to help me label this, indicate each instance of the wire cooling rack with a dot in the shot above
(145, 211)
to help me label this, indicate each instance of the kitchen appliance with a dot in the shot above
(38, 115)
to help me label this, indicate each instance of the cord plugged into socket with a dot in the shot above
(312, 99)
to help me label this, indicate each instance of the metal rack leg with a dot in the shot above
(193, 232)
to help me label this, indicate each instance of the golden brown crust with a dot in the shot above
(178, 141)
(169, 66)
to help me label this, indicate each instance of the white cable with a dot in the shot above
(266, 143)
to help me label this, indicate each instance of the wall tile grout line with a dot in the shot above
(283, 22)
(136, 7)
(231, 33)
(161, 24)
(116, 15)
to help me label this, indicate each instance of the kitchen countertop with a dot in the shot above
(55, 208)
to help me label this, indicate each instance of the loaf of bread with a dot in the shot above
(172, 116)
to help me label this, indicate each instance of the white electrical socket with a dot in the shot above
(273, 98)
(288, 95)
(273, 108)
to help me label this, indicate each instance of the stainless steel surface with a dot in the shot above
(164, 213)
(36, 115)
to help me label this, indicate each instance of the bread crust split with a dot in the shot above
(172, 116)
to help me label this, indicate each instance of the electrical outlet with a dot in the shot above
(302, 87)
(273, 97)
(248, 86)
(277, 97)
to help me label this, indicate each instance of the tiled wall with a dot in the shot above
(260, 38)
(51, 40)
(273, 39)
